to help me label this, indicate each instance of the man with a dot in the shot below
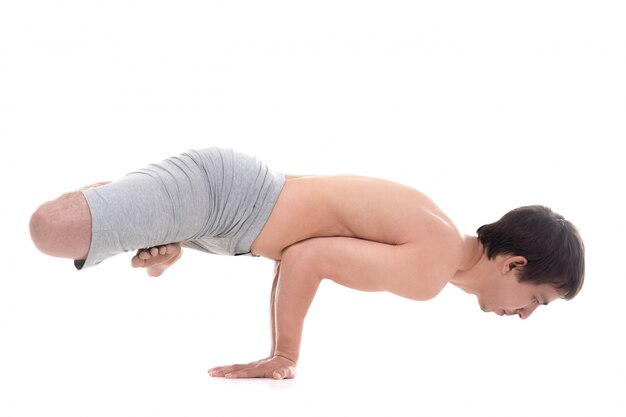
(364, 233)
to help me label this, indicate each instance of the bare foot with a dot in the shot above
(157, 259)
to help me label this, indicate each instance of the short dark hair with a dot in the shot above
(552, 246)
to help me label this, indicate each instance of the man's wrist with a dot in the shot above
(286, 355)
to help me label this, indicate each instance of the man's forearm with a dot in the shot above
(298, 282)
(273, 308)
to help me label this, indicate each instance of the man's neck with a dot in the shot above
(466, 275)
(472, 252)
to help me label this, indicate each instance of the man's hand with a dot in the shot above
(277, 367)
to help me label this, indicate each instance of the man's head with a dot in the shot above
(545, 248)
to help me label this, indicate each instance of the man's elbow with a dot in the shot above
(304, 256)
(417, 288)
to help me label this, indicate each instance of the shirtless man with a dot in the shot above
(364, 233)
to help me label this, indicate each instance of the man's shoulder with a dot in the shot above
(438, 249)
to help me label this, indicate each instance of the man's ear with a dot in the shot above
(513, 262)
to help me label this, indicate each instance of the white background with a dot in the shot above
(484, 105)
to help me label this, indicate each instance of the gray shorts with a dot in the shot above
(214, 200)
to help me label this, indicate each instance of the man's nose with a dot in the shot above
(525, 312)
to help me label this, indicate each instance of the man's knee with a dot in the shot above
(62, 227)
(303, 253)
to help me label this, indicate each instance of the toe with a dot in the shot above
(136, 262)
(173, 248)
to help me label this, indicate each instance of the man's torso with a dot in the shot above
(349, 206)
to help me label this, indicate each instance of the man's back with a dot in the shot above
(351, 206)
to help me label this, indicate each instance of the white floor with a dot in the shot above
(112, 342)
(483, 105)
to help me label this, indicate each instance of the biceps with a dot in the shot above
(359, 264)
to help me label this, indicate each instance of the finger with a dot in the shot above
(223, 370)
(239, 365)
(255, 369)
(217, 371)
(244, 373)
(284, 373)
(219, 368)
(279, 374)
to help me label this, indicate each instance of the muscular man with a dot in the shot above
(365, 233)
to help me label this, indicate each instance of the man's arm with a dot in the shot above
(411, 270)
(295, 284)
(356, 263)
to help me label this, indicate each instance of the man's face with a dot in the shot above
(509, 297)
